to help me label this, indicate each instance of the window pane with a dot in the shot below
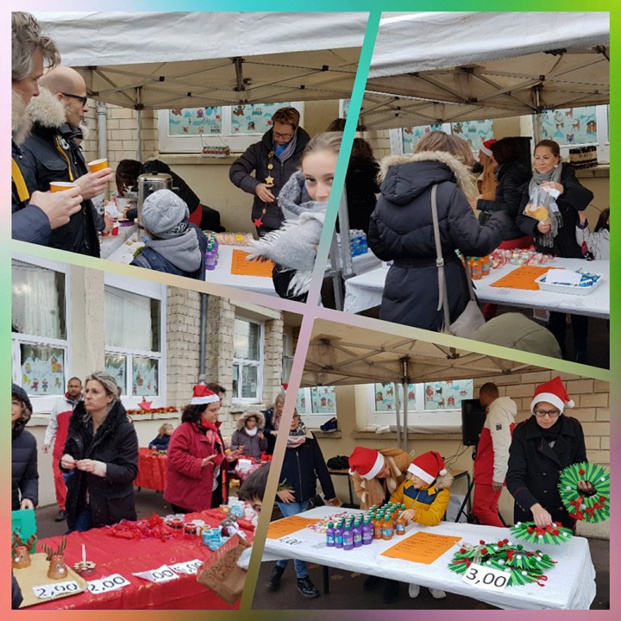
(38, 301)
(116, 365)
(385, 400)
(195, 121)
(323, 400)
(236, 381)
(247, 340)
(145, 373)
(131, 321)
(447, 395)
(570, 126)
(43, 370)
(249, 381)
(300, 404)
(254, 118)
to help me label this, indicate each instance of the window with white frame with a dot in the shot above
(40, 339)
(316, 404)
(188, 130)
(135, 328)
(248, 360)
(432, 406)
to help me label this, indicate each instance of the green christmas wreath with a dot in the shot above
(554, 534)
(590, 508)
(525, 566)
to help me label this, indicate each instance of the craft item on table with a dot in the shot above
(155, 527)
(21, 554)
(569, 281)
(213, 539)
(594, 507)
(84, 568)
(322, 525)
(234, 239)
(229, 526)
(241, 266)
(523, 277)
(422, 547)
(525, 566)
(554, 534)
(57, 569)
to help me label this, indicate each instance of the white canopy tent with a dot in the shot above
(175, 60)
(430, 68)
(341, 355)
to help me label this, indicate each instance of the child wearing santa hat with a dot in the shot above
(542, 446)
(426, 497)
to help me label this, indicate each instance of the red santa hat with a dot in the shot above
(202, 395)
(428, 467)
(366, 462)
(552, 392)
(486, 147)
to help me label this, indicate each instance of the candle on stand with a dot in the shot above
(84, 554)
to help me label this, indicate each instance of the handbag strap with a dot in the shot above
(443, 294)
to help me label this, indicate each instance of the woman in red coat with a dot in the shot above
(196, 454)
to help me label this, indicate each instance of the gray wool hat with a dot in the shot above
(165, 215)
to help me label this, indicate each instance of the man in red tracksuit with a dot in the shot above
(56, 435)
(492, 459)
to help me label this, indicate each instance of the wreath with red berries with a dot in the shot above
(554, 534)
(593, 507)
(524, 566)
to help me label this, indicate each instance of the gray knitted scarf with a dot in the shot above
(556, 219)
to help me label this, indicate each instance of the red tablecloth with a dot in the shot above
(115, 555)
(151, 470)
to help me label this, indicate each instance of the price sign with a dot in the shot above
(487, 578)
(161, 574)
(290, 541)
(45, 591)
(189, 567)
(111, 583)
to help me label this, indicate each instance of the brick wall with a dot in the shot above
(380, 142)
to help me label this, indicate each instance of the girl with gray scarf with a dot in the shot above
(303, 201)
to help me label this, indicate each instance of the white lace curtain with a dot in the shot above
(128, 321)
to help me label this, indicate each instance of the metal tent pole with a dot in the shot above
(398, 415)
(405, 378)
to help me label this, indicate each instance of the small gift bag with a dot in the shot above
(220, 572)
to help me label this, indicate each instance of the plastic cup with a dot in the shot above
(97, 165)
(61, 186)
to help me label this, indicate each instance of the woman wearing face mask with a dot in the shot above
(101, 457)
(555, 233)
(541, 447)
(303, 200)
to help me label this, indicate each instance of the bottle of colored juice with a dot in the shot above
(330, 536)
(357, 530)
(338, 535)
(400, 525)
(387, 528)
(485, 266)
(348, 539)
(377, 527)
(367, 532)
(477, 272)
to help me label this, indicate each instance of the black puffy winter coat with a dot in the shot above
(302, 467)
(361, 186)
(535, 467)
(256, 158)
(510, 178)
(401, 229)
(25, 476)
(575, 198)
(116, 444)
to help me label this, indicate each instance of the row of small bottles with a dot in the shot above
(478, 266)
(353, 532)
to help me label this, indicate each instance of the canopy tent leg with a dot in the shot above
(398, 416)
(405, 379)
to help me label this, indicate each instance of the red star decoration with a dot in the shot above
(145, 405)
(258, 222)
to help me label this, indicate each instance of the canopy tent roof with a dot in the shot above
(342, 354)
(432, 68)
(175, 60)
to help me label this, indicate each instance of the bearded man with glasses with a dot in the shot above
(542, 446)
(273, 160)
(51, 153)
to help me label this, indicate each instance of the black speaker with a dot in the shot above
(472, 420)
(525, 150)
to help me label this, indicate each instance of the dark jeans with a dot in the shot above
(580, 327)
(83, 521)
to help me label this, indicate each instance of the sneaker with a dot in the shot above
(61, 516)
(413, 590)
(371, 583)
(437, 593)
(273, 584)
(307, 588)
(391, 592)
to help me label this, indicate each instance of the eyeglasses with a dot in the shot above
(80, 98)
(283, 136)
(550, 413)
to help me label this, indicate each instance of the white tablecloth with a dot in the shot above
(570, 584)
(109, 244)
(220, 276)
(365, 291)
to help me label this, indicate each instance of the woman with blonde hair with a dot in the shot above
(402, 231)
(101, 457)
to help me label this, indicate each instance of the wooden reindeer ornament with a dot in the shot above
(21, 556)
(58, 568)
